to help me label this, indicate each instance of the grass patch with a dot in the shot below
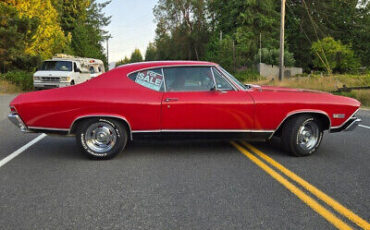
(327, 83)
(22, 79)
(8, 88)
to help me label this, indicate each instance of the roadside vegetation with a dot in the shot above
(19, 79)
(8, 88)
(327, 83)
(35, 30)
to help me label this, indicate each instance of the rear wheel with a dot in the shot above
(101, 138)
(302, 135)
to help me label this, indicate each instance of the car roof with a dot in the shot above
(142, 65)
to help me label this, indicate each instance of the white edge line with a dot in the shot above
(364, 126)
(21, 149)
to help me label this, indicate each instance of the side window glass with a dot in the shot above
(152, 79)
(221, 82)
(92, 71)
(188, 79)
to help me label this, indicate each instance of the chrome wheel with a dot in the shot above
(308, 135)
(100, 137)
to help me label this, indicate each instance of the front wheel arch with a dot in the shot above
(323, 118)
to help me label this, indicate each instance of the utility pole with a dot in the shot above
(108, 49)
(260, 48)
(281, 56)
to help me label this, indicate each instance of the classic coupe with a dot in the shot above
(184, 99)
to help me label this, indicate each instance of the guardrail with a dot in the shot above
(349, 89)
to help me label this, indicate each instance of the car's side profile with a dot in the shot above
(183, 98)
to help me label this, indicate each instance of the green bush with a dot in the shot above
(246, 76)
(271, 57)
(332, 55)
(20, 78)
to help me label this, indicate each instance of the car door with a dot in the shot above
(193, 102)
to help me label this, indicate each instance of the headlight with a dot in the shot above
(65, 78)
(36, 78)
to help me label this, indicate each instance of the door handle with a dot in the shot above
(171, 99)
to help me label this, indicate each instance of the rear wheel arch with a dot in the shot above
(80, 120)
(321, 116)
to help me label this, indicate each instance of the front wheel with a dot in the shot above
(302, 135)
(101, 138)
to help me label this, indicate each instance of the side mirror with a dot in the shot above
(77, 70)
(213, 88)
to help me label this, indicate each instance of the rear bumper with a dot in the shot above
(349, 125)
(17, 121)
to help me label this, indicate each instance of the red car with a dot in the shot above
(182, 99)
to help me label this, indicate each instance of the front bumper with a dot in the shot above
(349, 125)
(16, 120)
(50, 85)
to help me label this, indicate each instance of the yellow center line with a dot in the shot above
(295, 190)
(315, 191)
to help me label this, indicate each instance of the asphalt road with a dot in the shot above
(179, 185)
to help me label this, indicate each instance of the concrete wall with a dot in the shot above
(272, 71)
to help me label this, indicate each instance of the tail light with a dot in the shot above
(12, 109)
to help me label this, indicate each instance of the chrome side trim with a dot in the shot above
(169, 66)
(48, 128)
(203, 131)
(299, 112)
(101, 115)
(146, 131)
(224, 77)
(340, 126)
(229, 79)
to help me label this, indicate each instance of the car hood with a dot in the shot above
(284, 89)
(52, 73)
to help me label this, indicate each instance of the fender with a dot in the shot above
(301, 111)
(101, 115)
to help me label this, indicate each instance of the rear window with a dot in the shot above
(152, 79)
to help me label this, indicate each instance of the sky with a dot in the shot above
(132, 26)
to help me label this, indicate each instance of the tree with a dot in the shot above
(88, 32)
(123, 61)
(182, 29)
(73, 12)
(221, 52)
(15, 33)
(49, 37)
(271, 57)
(151, 52)
(330, 54)
(310, 20)
(136, 56)
(243, 21)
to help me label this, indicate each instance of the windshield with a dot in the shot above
(56, 66)
(232, 77)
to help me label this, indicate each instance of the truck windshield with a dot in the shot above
(56, 66)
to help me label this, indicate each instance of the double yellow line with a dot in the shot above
(257, 157)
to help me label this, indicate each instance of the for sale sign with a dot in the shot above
(150, 79)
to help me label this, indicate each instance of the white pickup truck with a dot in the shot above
(64, 70)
